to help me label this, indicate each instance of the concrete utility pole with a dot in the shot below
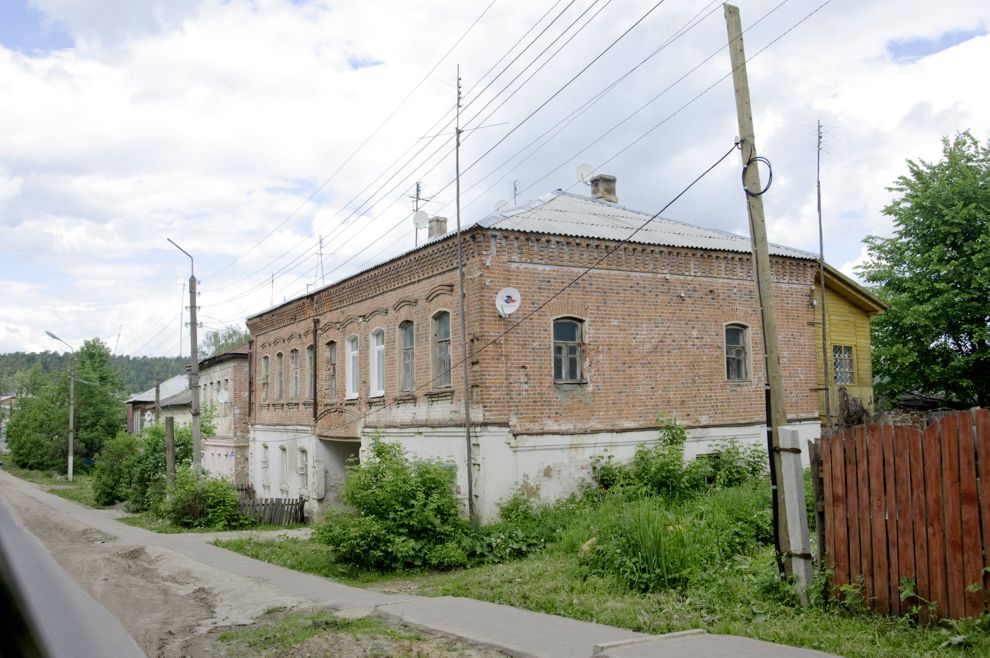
(797, 559)
(72, 398)
(193, 361)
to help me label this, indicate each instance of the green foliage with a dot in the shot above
(138, 372)
(406, 514)
(199, 501)
(114, 466)
(935, 275)
(218, 341)
(39, 423)
(147, 470)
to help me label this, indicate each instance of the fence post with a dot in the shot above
(792, 480)
(817, 485)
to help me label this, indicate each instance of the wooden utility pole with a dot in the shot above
(158, 401)
(169, 449)
(795, 562)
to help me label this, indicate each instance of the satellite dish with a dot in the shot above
(584, 171)
(502, 203)
(507, 301)
(421, 219)
(222, 397)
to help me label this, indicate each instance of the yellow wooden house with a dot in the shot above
(848, 308)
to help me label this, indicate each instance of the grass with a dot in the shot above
(79, 490)
(293, 629)
(304, 555)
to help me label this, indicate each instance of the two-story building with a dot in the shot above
(223, 380)
(620, 321)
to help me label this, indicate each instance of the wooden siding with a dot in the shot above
(846, 324)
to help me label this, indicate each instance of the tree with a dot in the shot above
(38, 428)
(218, 341)
(935, 275)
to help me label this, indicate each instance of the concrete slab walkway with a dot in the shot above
(514, 631)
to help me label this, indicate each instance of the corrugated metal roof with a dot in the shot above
(563, 213)
(167, 388)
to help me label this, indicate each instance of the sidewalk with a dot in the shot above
(514, 631)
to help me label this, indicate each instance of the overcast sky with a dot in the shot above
(247, 130)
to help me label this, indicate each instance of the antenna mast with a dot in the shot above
(821, 285)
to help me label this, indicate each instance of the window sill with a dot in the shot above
(376, 395)
(570, 386)
(441, 395)
(405, 398)
(351, 402)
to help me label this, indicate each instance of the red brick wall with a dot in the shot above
(654, 344)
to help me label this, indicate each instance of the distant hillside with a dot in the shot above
(139, 372)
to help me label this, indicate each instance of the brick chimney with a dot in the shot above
(438, 227)
(603, 187)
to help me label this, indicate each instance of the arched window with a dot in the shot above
(407, 370)
(568, 366)
(264, 379)
(441, 350)
(376, 363)
(294, 374)
(736, 352)
(331, 390)
(279, 376)
(351, 367)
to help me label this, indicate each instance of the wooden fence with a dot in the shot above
(900, 503)
(274, 511)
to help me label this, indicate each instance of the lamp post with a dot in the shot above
(193, 359)
(72, 395)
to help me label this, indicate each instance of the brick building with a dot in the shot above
(666, 326)
(224, 389)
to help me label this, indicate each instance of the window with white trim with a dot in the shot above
(568, 366)
(736, 352)
(294, 374)
(351, 376)
(376, 363)
(303, 469)
(264, 379)
(407, 370)
(441, 350)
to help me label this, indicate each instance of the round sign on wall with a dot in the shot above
(507, 301)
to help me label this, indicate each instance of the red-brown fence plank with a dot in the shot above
(890, 516)
(952, 513)
(839, 561)
(904, 437)
(982, 422)
(936, 525)
(919, 508)
(876, 521)
(863, 500)
(972, 559)
(826, 552)
(851, 447)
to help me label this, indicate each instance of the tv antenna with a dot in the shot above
(584, 171)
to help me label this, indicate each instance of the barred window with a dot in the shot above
(842, 359)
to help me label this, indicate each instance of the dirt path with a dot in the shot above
(174, 606)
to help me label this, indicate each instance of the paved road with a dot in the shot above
(514, 631)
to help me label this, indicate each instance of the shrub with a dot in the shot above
(406, 515)
(147, 482)
(197, 501)
(114, 466)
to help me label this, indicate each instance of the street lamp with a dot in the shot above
(72, 394)
(193, 359)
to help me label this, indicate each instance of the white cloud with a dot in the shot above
(212, 121)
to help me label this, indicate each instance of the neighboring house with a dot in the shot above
(7, 403)
(667, 326)
(224, 382)
(848, 308)
(141, 406)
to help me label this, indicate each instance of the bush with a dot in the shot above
(406, 515)
(147, 480)
(114, 466)
(197, 501)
